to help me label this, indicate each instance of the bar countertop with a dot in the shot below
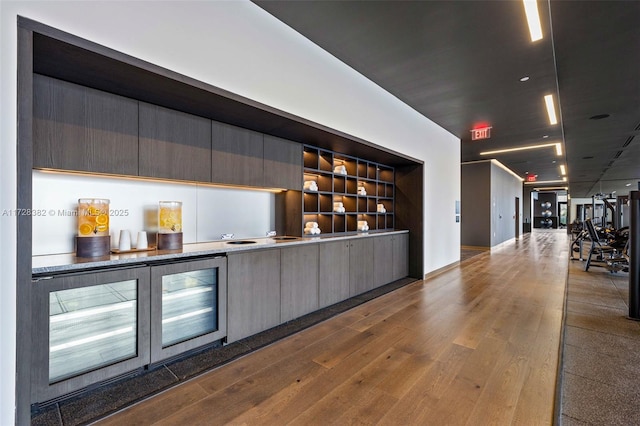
(69, 262)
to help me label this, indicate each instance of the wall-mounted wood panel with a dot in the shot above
(82, 129)
(282, 163)
(174, 145)
(237, 155)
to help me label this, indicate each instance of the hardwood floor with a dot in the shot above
(475, 345)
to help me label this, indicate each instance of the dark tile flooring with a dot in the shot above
(93, 404)
(601, 355)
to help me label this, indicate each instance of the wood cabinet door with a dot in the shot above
(282, 163)
(360, 265)
(299, 281)
(82, 129)
(400, 256)
(174, 145)
(383, 260)
(333, 283)
(253, 292)
(237, 155)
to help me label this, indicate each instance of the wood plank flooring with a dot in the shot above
(475, 345)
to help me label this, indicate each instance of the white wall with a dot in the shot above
(505, 187)
(207, 212)
(238, 47)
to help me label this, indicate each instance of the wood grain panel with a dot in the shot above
(360, 266)
(333, 282)
(298, 281)
(282, 163)
(237, 155)
(382, 260)
(78, 128)
(253, 303)
(174, 145)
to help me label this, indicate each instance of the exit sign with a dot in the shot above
(532, 178)
(480, 133)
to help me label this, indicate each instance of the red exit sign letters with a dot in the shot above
(480, 133)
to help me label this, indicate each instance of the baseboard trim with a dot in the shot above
(439, 271)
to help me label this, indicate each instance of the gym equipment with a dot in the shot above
(546, 213)
(604, 255)
(546, 205)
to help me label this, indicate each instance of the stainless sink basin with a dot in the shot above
(241, 242)
(283, 238)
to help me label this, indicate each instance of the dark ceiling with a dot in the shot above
(459, 63)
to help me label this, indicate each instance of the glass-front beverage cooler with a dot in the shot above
(188, 306)
(89, 327)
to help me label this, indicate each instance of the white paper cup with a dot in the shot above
(125, 240)
(142, 242)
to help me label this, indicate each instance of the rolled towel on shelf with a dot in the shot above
(363, 225)
(341, 169)
(311, 225)
(310, 185)
(312, 231)
(362, 190)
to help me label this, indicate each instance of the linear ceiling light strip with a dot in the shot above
(551, 109)
(556, 145)
(533, 19)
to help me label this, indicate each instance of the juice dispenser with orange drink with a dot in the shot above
(169, 225)
(93, 238)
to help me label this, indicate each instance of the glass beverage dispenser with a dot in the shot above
(169, 225)
(93, 238)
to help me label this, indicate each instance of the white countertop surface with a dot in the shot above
(68, 262)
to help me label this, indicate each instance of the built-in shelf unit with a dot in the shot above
(348, 191)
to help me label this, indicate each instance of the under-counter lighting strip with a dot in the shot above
(533, 19)
(148, 179)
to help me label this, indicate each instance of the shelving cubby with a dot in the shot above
(333, 186)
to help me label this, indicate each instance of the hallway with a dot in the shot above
(477, 344)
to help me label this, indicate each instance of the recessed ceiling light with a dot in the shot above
(533, 19)
(628, 184)
(599, 116)
(563, 170)
(545, 136)
(551, 109)
(525, 78)
(553, 162)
